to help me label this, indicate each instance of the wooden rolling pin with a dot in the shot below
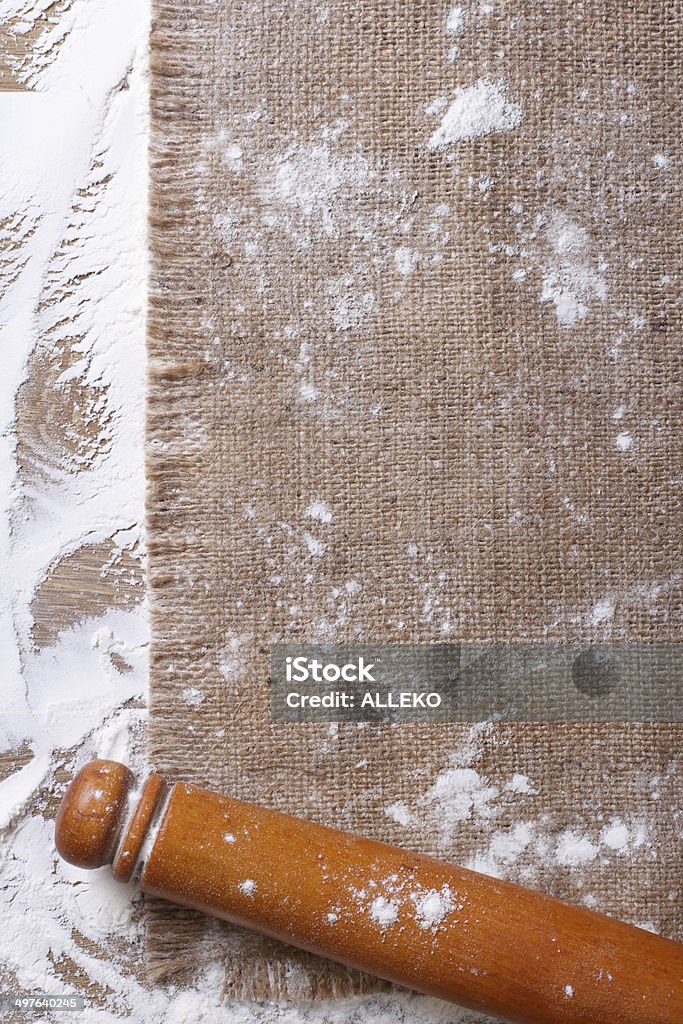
(452, 933)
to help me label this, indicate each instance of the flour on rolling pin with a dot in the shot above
(446, 931)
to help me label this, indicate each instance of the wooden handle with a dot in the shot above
(452, 933)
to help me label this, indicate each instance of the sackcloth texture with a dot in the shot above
(415, 366)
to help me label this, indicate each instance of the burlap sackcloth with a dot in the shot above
(414, 376)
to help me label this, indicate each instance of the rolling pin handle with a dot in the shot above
(96, 824)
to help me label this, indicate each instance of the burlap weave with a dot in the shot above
(405, 392)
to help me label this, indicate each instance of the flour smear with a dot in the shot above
(480, 109)
(73, 214)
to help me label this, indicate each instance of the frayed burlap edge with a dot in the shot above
(179, 942)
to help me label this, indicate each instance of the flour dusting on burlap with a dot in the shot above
(414, 370)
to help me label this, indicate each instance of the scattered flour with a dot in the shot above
(248, 887)
(315, 546)
(308, 392)
(320, 511)
(232, 663)
(603, 611)
(459, 794)
(437, 106)
(481, 109)
(350, 306)
(574, 850)
(622, 838)
(233, 153)
(313, 179)
(624, 442)
(192, 696)
(616, 836)
(433, 906)
(73, 164)
(572, 278)
(455, 22)
(384, 911)
(505, 848)
(406, 260)
(399, 813)
(519, 784)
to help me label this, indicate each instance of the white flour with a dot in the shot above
(399, 813)
(519, 784)
(602, 611)
(312, 178)
(624, 441)
(73, 167)
(573, 279)
(574, 849)
(384, 911)
(320, 511)
(455, 22)
(459, 794)
(504, 849)
(76, 133)
(481, 109)
(432, 907)
(406, 260)
(556, 255)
